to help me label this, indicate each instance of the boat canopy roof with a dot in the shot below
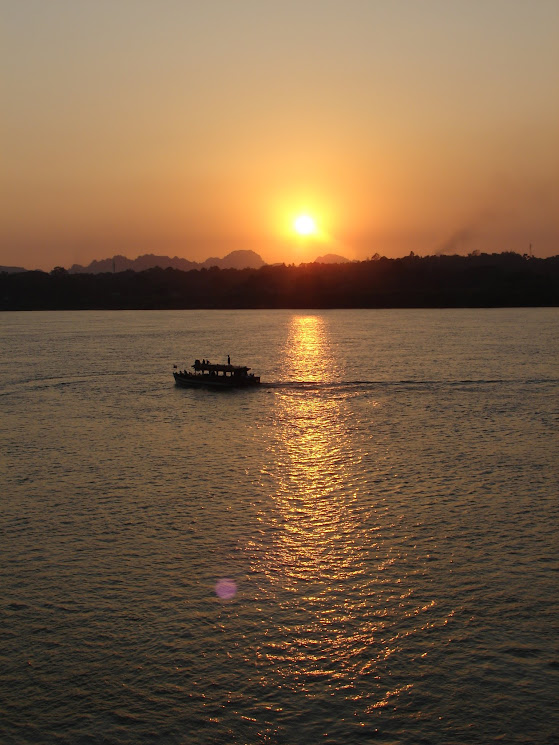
(211, 367)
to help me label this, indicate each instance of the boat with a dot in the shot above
(209, 375)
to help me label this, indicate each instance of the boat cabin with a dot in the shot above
(206, 368)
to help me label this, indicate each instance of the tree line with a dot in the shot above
(476, 280)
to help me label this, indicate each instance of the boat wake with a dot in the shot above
(309, 385)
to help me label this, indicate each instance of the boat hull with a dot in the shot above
(218, 381)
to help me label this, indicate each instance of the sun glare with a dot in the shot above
(304, 225)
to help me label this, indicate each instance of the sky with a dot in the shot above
(193, 129)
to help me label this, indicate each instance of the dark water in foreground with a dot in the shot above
(380, 520)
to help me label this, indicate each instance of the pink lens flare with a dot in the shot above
(226, 588)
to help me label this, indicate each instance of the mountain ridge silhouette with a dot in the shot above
(240, 259)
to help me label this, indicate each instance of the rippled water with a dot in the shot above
(364, 549)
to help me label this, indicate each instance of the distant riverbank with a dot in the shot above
(484, 280)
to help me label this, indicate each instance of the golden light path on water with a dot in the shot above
(341, 603)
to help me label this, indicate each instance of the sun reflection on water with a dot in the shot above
(307, 352)
(339, 597)
(315, 561)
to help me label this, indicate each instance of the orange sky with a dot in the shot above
(194, 129)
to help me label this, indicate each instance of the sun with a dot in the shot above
(305, 225)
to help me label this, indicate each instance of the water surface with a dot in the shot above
(361, 550)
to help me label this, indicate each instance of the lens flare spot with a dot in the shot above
(226, 588)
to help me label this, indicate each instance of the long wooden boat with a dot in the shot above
(209, 375)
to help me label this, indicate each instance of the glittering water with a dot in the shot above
(364, 549)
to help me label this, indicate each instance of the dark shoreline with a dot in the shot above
(474, 281)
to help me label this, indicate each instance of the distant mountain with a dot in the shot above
(237, 260)
(331, 259)
(233, 260)
(12, 269)
(122, 263)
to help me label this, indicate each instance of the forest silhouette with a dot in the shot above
(476, 280)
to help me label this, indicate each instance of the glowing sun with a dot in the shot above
(305, 225)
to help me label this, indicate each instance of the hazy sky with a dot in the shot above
(195, 128)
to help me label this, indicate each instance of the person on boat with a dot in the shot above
(228, 360)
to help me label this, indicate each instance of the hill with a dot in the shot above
(331, 259)
(236, 260)
(233, 260)
(12, 269)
